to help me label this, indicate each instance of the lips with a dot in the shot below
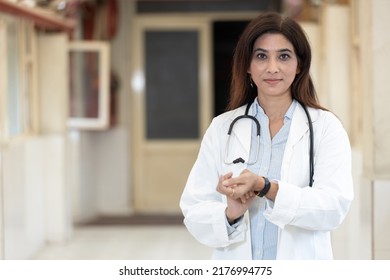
(272, 81)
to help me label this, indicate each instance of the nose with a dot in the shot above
(273, 66)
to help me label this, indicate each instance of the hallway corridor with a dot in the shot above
(127, 242)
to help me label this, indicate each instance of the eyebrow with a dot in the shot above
(281, 50)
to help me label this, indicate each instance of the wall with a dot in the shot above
(330, 46)
(332, 61)
(2, 249)
(335, 58)
(380, 46)
(375, 57)
(34, 209)
(53, 102)
(98, 173)
(34, 195)
(353, 239)
(99, 161)
(3, 88)
(23, 190)
(112, 146)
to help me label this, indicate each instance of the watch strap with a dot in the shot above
(266, 188)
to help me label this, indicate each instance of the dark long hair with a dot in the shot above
(302, 88)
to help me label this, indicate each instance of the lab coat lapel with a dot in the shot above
(299, 126)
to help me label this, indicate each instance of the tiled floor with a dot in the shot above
(127, 243)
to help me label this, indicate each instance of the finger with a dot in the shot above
(244, 198)
(223, 178)
(223, 190)
(231, 182)
(232, 192)
(239, 180)
(227, 176)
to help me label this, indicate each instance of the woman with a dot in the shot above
(264, 199)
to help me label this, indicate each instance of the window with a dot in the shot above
(89, 85)
(17, 71)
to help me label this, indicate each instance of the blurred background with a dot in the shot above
(103, 104)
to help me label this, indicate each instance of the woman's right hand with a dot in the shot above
(237, 206)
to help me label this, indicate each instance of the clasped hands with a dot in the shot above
(242, 187)
(240, 191)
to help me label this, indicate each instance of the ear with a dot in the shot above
(298, 70)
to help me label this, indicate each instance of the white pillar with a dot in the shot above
(375, 60)
(1, 208)
(53, 93)
(335, 61)
(3, 75)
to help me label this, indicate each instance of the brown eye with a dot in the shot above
(284, 56)
(261, 56)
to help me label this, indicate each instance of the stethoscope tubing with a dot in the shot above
(258, 128)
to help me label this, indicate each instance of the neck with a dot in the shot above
(275, 109)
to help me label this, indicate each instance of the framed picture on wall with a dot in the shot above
(89, 92)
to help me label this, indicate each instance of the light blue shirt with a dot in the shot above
(264, 234)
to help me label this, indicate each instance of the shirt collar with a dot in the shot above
(257, 109)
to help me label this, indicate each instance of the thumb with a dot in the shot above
(227, 176)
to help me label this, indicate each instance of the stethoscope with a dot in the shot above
(258, 128)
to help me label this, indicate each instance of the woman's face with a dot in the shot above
(274, 65)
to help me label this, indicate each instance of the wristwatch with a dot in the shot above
(266, 188)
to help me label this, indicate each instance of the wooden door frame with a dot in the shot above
(201, 22)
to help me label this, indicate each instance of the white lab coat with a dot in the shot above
(305, 215)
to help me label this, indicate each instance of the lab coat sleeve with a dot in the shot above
(202, 206)
(325, 205)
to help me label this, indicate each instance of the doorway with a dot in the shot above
(225, 37)
(171, 108)
(181, 80)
